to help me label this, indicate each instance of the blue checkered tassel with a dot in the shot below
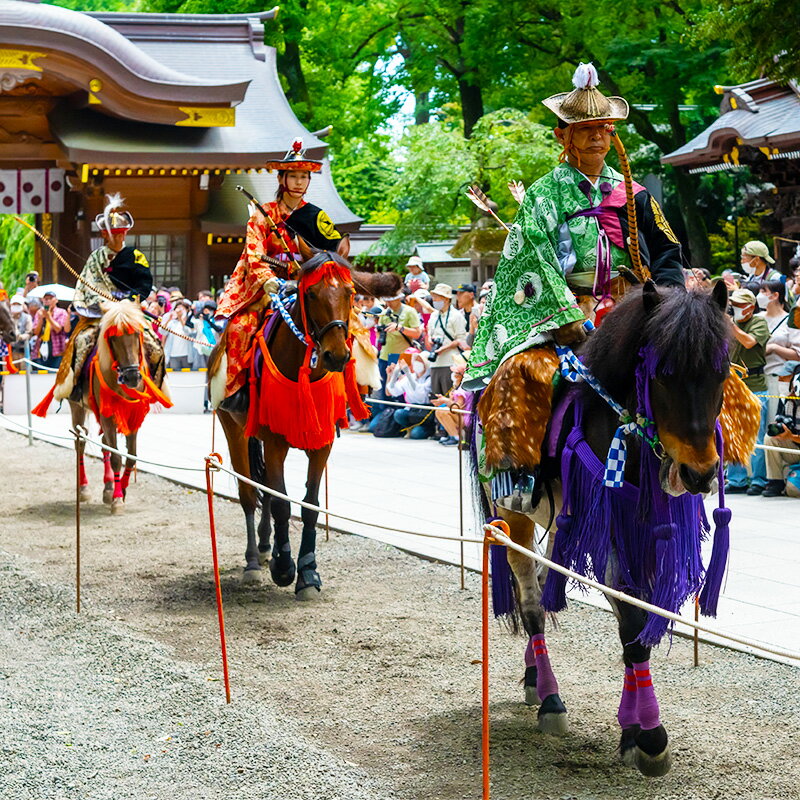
(614, 475)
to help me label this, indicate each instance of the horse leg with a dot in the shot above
(115, 461)
(541, 685)
(264, 529)
(78, 418)
(644, 743)
(130, 463)
(309, 584)
(281, 565)
(108, 477)
(238, 446)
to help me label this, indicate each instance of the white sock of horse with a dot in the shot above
(646, 703)
(627, 716)
(546, 683)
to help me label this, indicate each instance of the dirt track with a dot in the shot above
(377, 678)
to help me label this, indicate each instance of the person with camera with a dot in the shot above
(784, 432)
(446, 337)
(784, 342)
(750, 333)
(31, 282)
(397, 328)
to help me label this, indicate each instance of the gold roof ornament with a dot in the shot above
(586, 102)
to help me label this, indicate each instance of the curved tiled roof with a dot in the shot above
(33, 26)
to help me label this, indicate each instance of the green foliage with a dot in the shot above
(724, 254)
(440, 164)
(763, 36)
(16, 244)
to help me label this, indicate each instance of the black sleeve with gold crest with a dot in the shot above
(659, 246)
(315, 226)
(130, 272)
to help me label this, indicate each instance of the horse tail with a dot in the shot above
(503, 595)
(258, 472)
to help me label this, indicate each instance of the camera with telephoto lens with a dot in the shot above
(382, 328)
(433, 355)
(776, 428)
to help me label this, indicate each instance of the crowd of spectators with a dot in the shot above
(421, 337)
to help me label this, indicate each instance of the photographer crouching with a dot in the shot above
(783, 432)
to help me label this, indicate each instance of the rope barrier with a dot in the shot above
(414, 405)
(214, 463)
(320, 510)
(504, 539)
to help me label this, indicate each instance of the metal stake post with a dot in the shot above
(77, 523)
(461, 499)
(28, 390)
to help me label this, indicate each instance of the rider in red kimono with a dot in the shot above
(248, 290)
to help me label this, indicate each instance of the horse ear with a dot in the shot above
(343, 248)
(650, 296)
(303, 247)
(720, 294)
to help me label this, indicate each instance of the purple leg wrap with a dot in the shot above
(646, 703)
(546, 683)
(627, 714)
(530, 659)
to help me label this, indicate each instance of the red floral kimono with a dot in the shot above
(246, 287)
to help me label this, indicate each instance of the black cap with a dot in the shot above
(466, 287)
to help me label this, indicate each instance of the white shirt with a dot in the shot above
(455, 324)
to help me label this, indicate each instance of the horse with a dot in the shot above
(670, 347)
(8, 331)
(117, 388)
(322, 313)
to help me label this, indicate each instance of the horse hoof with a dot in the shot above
(654, 766)
(282, 578)
(308, 593)
(108, 496)
(531, 695)
(553, 716)
(117, 505)
(252, 577)
(653, 756)
(86, 495)
(627, 745)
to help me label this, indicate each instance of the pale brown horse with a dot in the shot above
(328, 308)
(118, 390)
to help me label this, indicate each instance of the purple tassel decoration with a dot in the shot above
(554, 596)
(715, 573)
(502, 581)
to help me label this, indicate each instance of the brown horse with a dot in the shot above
(118, 390)
(328, 306)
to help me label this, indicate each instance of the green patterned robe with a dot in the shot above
(531, 296)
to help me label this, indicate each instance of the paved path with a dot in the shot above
(414, 485)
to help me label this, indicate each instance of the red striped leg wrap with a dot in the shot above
(117, 486)
(646, 702)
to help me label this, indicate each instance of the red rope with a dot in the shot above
(218, 588)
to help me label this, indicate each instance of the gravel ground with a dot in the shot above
(371, 692)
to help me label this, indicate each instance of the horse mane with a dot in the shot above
(685, 332)
(124, 315)
(119, 318)
(375, 284)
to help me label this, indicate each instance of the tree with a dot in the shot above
(763, 35)
(441, 163)
(17, 247)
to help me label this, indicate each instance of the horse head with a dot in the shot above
(326, 292)
(666, 357)
(8, 330)
(120, 342)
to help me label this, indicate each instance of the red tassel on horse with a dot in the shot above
(40, 409)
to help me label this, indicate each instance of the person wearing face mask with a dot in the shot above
(446, 336)
(784, 341)
(750, 333)
(755, 263)
(412, 385)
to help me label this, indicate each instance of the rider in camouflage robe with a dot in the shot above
(566, 259)
(121, 272)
